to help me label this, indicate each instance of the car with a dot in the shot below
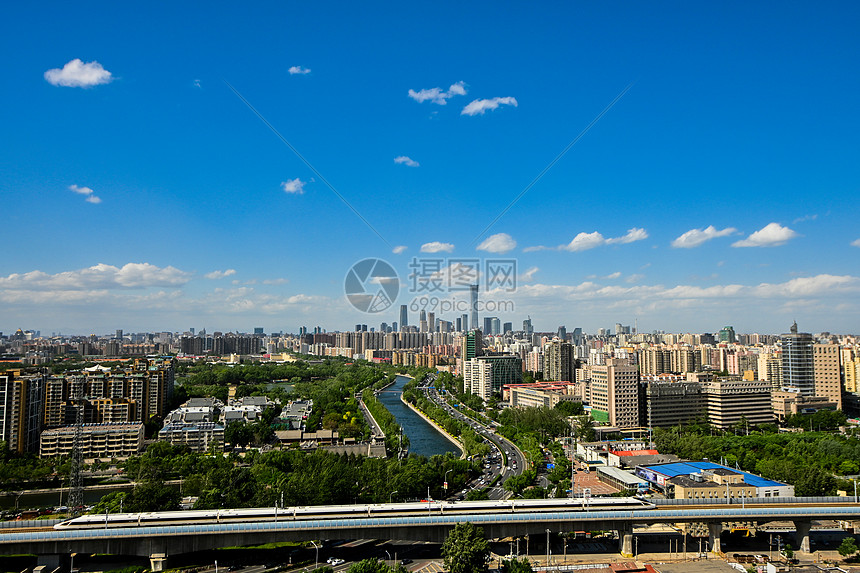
(405, 561)
(337, 561)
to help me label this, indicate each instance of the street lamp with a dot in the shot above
(445, 481)
(317, 560)
(547, 547)
(390, 495)
(389, 556)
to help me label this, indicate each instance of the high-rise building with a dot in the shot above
(614, 390)
(464, 323)
(473, 306)
(507, 327)
(562, 332)
(559, 361)
(496, 326)
(727, 334)
(484, 376)
(666, 404)
(827, 371)
(431, 321)
(798, 369)
(404, 316)
(472, 345)
(527, 327)
(488, 325)
(21, 410)
(730, 400)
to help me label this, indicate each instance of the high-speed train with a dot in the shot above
(413, 509)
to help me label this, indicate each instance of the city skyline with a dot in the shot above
(709, 180)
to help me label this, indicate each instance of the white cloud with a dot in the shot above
(528, 276)
(437, 247)
(855, 243)
(480, 106)
(399, 249)
(633, 235)
(406, 161)
(499, 243)
(696, 237)
(280, 281)
(294, 186)
(615, 275)
(634, 278)
(584, 242)
(537, 248)
(100, 276)
(90, 194)
(438, 95)
(214, 275)
(805, 218)
(196, 84)
(299, 70)
(77, 74)
(772, 235)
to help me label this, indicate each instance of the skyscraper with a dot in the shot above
(798, 372)
(473, 301)
(559, 362)
(404, 316)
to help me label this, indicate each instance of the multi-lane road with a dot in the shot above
(504, 460)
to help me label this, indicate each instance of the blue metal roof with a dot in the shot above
(687, 468)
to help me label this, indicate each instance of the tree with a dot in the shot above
(848, 547)
(372, 565)
(466, 550)
(516, 566)
(788, 551)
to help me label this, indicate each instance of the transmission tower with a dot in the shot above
(76, 482)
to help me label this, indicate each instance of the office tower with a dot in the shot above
(464, 326)
(473, 302)
(562, 332)
(404, 316)
(21, 410)
(458, 324)
(118, 334)
(527, 327)
(507, 327)
(393, 327)
(431, 321)
(665, 404)
(488, 325)
(472, 345)
(798, 371)
(826, 368)
(258, 330)
(727, 334)
(496, 326)
(559, 362)
(615, 393)
(729, 399)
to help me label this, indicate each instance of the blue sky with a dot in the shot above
(139, 192)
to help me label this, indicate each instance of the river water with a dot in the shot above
(424, 439)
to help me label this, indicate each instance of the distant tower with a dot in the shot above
(473, 293)
(404, 316)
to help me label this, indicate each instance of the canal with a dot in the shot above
(424, 439)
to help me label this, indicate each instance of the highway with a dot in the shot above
(507, 460)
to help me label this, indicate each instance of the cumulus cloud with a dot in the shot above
(615, 275)
(633, 235)
(77, 74)
(294, 186)
(772, 235)
(480, 106)
(280, 281)
(584, 242)
(437, 247)
(299, 70)
(499, 243)
(214, 275)
(855, 243)
(86, 191)
(399, 249)
(695, 237)
(100, 276)
(438, 95)
(404, 160)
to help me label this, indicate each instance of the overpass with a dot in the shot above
(158, 542)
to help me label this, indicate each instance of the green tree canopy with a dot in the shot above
(466, 550)
(848, 547)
